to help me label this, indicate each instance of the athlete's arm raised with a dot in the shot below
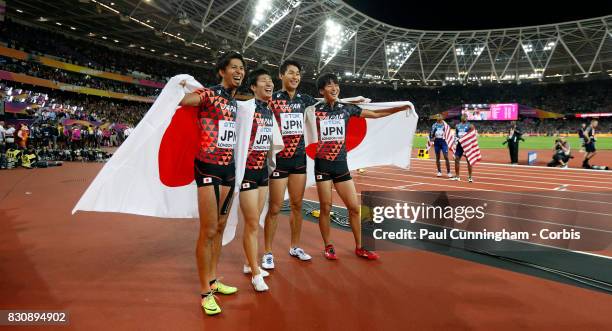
(382, 113)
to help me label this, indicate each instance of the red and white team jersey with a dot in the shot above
(332, 122)
(289, 113)
(217, 123)
(261, 136)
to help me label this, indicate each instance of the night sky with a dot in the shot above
(473, 15)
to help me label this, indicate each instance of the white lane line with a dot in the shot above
(522, 173)
(453, 182)
(451, 194)
(570, 171)
(401, 172)
(517, 173)
(503, 177)
(486, 190)
(405, 186)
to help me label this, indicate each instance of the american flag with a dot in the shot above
(449, 137)
(469, 142)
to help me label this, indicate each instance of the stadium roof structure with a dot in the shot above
(331, 36)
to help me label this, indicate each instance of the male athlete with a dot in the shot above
(288, 107)
(589, 144)
(331, 167)
(440, 145)
(461, 129)
(215, 171)
(583, 127)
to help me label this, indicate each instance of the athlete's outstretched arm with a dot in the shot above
(382, 113)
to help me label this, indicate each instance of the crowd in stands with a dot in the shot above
(72, 50)
(47, 127)
(77, 106)
(61, 76)
(568, 98)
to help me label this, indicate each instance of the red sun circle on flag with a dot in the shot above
(179, 147)
(355, 133)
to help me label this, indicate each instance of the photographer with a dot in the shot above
(561, 154)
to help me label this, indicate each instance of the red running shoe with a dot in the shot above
(362, 252)
(330, 252)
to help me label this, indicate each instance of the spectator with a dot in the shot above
(9, 135)
(23, 134)
(2, 139)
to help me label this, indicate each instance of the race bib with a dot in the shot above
(439, 133)
(461, 133)
(227, 134)
(262, 138)
(332, 130)
(292, 124)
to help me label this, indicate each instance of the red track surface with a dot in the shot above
(125, 272)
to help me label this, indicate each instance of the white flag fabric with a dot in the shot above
(130, 181)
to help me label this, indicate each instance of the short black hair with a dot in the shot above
(283, 67)
(326, 79)
(254, 75)
(224, 60)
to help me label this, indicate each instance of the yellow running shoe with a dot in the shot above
(210, 306)
(224, 289)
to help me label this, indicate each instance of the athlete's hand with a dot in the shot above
(360, 99)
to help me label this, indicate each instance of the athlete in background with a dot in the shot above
(581, 136)
(589, 144)
(461, 129)
(440, 145)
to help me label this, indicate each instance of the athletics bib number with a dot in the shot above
(332, 130)
(227, 134)
(262, 138)
(292, 124)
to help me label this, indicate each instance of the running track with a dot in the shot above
(126, 272)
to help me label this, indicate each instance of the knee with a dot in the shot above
(208, 233)
(221, 226)
(296, 205)
(325, 207)
(353, 210)
(251, 225)
(274, 209)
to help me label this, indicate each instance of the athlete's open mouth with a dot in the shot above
(268, 90)
(237, 79)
